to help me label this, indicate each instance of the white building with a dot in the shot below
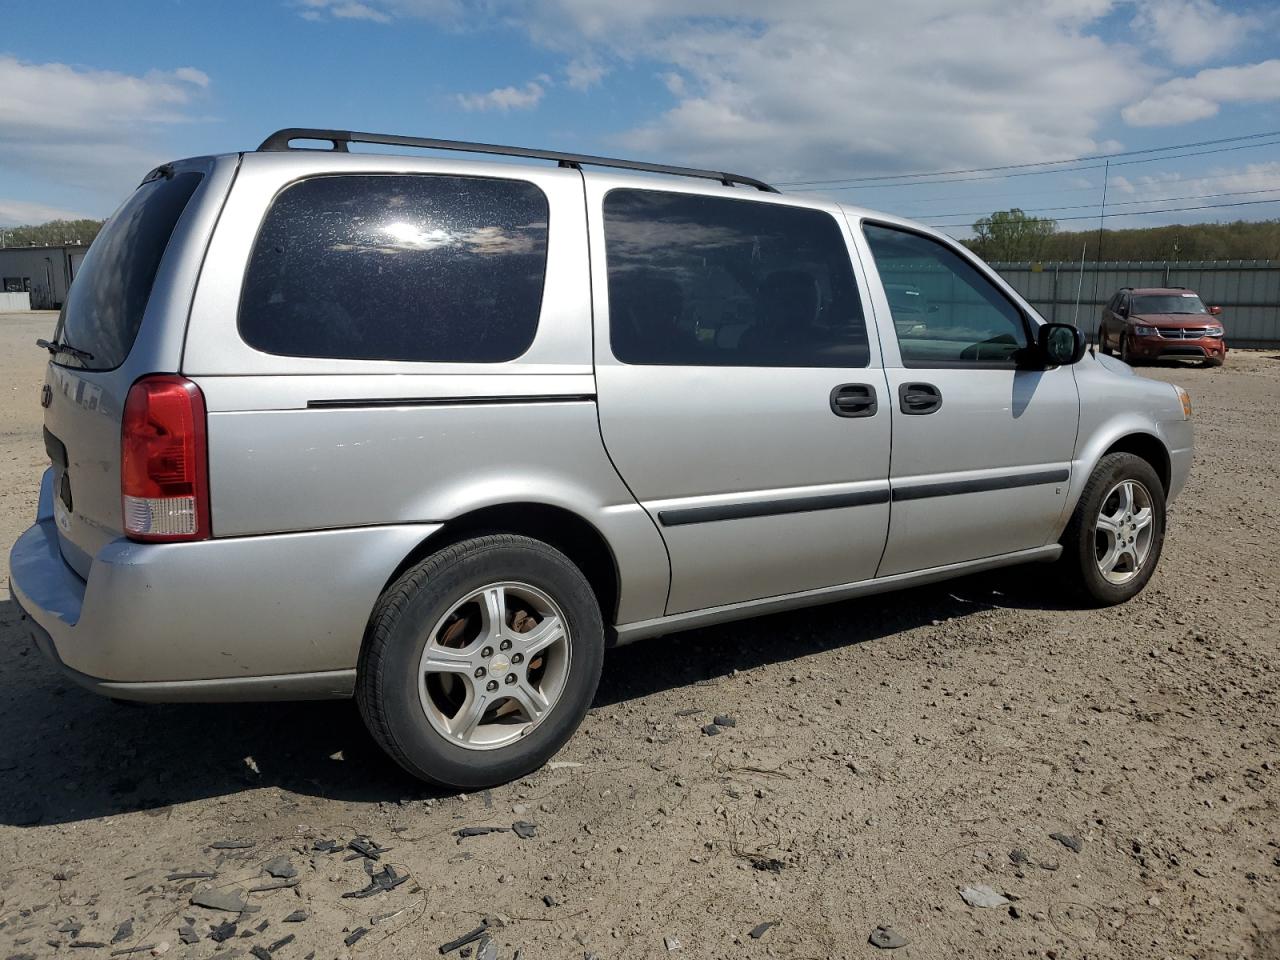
(45, 272)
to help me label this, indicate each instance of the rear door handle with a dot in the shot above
(917, 399)
(854, 400)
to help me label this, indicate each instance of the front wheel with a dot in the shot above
(1125, 353)
(1113, 542)
(1105, 344)
(481, 661)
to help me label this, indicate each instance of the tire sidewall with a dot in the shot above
(1113, 469)
(421, 748)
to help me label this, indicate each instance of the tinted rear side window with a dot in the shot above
(420, 268)
(105, 304)
(714, 281)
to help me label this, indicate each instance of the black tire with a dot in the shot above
(1105, 345)
(387, 682)
(1079, 558)
(1125, 355)
(1214, 361)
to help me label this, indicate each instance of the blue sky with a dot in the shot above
(93, 94)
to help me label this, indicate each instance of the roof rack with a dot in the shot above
(282, 140)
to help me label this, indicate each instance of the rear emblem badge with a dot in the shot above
(46, 396)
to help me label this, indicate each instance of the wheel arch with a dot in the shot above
(1148, 447)
(569, 532)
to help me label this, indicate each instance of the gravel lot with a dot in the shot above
(887, 753)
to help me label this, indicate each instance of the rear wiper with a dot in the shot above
(56, 348)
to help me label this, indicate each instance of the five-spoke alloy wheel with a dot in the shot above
(494, 665)
(1123, 531)
(481, 661)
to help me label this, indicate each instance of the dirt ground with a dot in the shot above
(887, 753)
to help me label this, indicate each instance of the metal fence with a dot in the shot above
(1247, 290)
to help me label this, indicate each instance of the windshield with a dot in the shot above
(104, 306)
(1168, 303)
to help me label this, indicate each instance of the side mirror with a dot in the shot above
(1060, 344)
(1215, 311)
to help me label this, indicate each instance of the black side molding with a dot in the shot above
(768, 508)
(362, 402)
(953, 487)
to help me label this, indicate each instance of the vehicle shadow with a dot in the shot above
(70, 755)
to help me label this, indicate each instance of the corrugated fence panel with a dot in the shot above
(1247, 290)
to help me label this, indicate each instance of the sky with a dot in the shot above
(94, 94)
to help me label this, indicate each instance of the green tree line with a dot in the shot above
(1004, 235)
(1013, 235)
(53, 233)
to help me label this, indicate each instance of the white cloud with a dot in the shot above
(833, 86)
(1184, 99)
(505, 98)
(14, 212)
(584, 73)
(1190, 32)
(89, 127)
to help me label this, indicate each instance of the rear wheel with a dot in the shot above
(1113, 542)
(481, 661)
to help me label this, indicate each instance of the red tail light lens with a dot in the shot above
(164, 474)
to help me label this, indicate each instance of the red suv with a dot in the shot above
(1148, 323)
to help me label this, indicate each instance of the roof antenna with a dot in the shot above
(1097, 270)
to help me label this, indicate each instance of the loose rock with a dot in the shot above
(230, 901)
(886, 938)
(980, 895)
(1072, 843)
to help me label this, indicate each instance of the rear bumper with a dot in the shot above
(1154, 348)
(245, 618)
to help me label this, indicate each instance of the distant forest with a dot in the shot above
(1241, 240)
(50, 234)
(999, 237)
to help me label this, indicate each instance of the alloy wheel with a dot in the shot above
(1124, 531)
(494, 665)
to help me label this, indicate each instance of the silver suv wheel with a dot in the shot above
(1123, 531)
(494, 665)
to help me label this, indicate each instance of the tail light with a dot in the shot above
(164, 473)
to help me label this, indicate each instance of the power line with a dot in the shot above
(1037, 163)
(1129, 213)
(1037, 173)
(1094, 188)
(1121, 203)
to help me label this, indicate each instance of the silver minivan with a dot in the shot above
(436, 432)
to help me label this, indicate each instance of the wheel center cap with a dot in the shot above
(499, 665)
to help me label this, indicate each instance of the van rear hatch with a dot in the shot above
(89, 379)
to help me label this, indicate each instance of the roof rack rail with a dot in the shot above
(283, 139)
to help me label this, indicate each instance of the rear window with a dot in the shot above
(105, 304)
(390, 267)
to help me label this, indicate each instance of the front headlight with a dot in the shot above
(1142, 331)
(1215, 331)
(1186, 402)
